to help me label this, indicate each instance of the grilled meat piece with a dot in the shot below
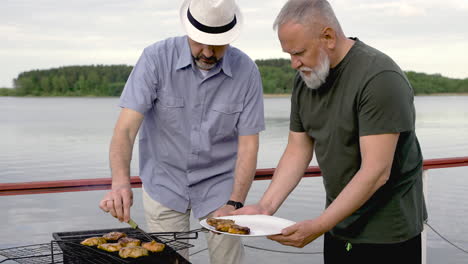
(154, 246)
(93, 241)
(227, 225)
(236, 229)
(110, 247)
(220, 224)
(114, 235)
(133, 252)
(214, 221)
(128, 241)
(224, 226)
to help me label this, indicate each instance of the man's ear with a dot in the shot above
(328, 35)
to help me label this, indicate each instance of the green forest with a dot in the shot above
(109, 80)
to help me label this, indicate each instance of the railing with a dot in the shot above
(261, 174)
(105, 183)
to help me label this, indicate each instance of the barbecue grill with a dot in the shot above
(66, 249)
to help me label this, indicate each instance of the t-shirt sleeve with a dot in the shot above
(252, 120)
(140, 90)
(386, 105)
(295, 122)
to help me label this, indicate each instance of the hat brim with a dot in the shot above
(208, 38)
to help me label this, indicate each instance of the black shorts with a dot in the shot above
(338, 251)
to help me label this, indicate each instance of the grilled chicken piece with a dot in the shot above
(93, 241)
(110, 247)
(133, 252)
(128, 241)
(214, 221)
(220, 224)
(114, 235)
(227, 225)
(224, 226)
(154, 246)
(236, 229)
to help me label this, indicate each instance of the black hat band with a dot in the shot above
(208, 29)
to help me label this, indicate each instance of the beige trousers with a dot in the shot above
(223, 249)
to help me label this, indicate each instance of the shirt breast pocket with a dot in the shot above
(169, 110)
(225, 117)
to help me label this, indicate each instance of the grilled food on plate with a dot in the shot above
(220, 224)
(110, 247)
(93, 241)
(214, 221)
(236, 229)
(153, 246)
(227, 225)
(133, 252)
(223, 227)
(128, 241)
(114, 235)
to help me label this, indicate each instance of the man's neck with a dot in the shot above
(343, 48)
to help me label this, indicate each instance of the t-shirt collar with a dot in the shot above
(346, 58)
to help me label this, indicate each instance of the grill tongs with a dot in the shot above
(135, 226)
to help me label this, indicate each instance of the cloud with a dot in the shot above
(399, 9)
(423, 34)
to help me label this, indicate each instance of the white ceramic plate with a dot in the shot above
(260, 225)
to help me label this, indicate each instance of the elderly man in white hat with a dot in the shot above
(197, 104)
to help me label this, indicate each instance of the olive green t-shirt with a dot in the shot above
(365, 94)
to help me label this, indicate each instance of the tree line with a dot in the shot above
(109, 80)
(93, 80)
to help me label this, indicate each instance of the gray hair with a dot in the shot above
(308, 12)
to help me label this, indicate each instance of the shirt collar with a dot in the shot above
(226, 62)
(185, 59)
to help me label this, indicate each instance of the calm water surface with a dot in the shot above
(45, 139)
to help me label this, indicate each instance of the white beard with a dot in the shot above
(204, 66)
(318, 74)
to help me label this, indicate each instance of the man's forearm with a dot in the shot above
(377, 158)
(289, 172)
(353, 196)
(246, 165)
(120, 156)
(121, 147)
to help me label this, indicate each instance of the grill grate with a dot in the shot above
(66, 248)
(33, 254)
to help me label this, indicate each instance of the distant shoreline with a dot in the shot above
(109, 80)
(276, 95)
(434, 94)
(442, 94)
(264, 95)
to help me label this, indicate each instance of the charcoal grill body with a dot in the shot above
(75, 253)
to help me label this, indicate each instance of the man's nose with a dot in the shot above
(295, 63)
(208, 51)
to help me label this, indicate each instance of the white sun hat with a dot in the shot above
(211, 22)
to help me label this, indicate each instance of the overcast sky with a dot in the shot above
(428, 36)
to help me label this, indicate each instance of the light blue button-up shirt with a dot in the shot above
(189, 135)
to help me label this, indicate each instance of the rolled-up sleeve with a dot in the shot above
(140, 90)
(251, 120)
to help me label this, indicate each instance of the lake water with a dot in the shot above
(43, 139)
